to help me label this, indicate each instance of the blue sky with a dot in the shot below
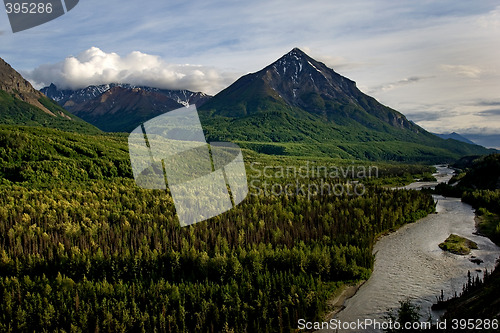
(435, 61)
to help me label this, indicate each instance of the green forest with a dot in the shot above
(83, 249)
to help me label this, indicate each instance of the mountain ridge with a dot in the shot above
(14, 83)
(62, 96)
(21, 104)
(300, 81)
(334, 86)
(297, 105)
(455, 136)
(118, 107)
(121, 110)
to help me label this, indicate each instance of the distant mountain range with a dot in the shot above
(21, 104)
(295, 106)
(485, 139)
(455, 136)
(122, 107)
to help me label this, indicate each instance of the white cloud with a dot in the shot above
(491, 20)
(94, 66)
(394, 85)
(472, 72)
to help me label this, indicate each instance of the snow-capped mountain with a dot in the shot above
(122, 107)
(297, 105)
(63, 96)
(298, 80)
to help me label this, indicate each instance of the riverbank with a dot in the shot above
(487, 224)
(336, 304)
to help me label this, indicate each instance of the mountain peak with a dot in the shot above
(296, 55)
(296, 80)
(296, 52)
(298, 104)
(455, 136)
(293, 67)
(11, 81)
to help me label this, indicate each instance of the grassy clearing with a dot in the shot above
(458, 245)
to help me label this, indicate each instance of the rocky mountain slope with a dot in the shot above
(121, 107)
(21, 104)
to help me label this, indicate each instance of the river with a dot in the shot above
(409, 263)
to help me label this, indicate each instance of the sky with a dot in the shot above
(437, 62)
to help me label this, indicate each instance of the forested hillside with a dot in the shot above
(83, 249)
